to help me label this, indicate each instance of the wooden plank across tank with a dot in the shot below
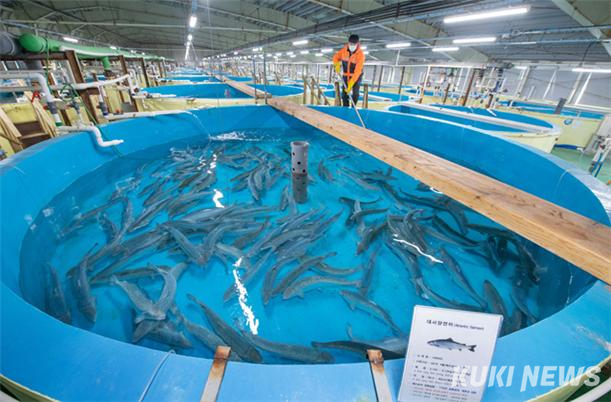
(577, 239)
(380, 382)
(247, 89)
(215, 376)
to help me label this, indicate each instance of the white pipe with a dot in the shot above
(132, 87)
(93, 130)
(141, 114)
(42, 81)
(31, 75)
(584, 108)
(100, 87)
(148, 95)
(97, 84)
(299, 157)
(102, 96)
(493, 120)
(67, 74)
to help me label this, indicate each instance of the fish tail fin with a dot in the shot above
(179, 317)
(154, 267)
(471, 347)
(350, 303)
(349, 331)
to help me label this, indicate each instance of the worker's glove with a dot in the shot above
(338, 67)
(349, 87)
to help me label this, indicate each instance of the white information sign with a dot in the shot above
(448, 355)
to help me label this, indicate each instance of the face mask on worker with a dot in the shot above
(352, 46)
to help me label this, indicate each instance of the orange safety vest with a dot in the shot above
(352, 65)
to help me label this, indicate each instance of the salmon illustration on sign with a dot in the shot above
(451, 344)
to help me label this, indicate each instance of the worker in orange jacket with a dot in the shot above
(349, 61)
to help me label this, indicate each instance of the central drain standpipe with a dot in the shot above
(299, 170)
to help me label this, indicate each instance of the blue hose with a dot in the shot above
(566, 146)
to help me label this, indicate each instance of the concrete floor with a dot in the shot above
(583, 161)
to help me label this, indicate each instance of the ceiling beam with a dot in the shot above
(381, 26)
(233, 16)
(141, 25)
(240, 17)
(76, 9)
(411, 30)
(69, 15)
(247, 10)
(408, 10)
(574, 13)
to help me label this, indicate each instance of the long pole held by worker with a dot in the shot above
(351, 60)
(352, 104)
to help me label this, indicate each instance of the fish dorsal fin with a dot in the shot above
(449, 339)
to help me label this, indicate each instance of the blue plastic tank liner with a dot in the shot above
(81, 365)
(549, 109)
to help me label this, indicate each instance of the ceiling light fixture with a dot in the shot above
(113, 47)
(326, 50)
(189, 37)
(592, 70)
(192, 21)
(398, 45)
(445, 49)
(300, 42)
(318, 54)
(70, 39)
(304, 52)
(292, 56)
(482, 39)
(484, 15)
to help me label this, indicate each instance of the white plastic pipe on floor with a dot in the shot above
(94, 131)
(42, 81)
